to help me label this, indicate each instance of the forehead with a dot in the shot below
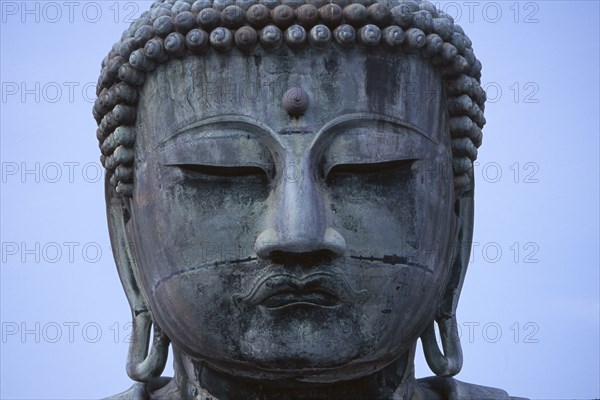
(338, 82)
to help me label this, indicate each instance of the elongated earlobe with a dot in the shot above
(144, 366)
(448, 363)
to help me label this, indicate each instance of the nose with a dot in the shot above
(299, 223)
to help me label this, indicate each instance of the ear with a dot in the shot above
(464, 208)
(450, 362)
(141, 365)
(118, 215)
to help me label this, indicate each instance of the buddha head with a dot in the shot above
(289, 190)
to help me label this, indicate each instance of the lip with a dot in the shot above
(283, 290)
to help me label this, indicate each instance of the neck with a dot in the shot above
(198, 381)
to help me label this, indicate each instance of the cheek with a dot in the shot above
(374, 212)
(391, 311)
(405, 212)
(190, 221)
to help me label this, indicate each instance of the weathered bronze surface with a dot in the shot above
(290, 197)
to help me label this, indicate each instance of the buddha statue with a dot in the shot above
(289, 190)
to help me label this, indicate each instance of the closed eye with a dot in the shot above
(222, 171)
(369, 168)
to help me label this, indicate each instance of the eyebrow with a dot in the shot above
(229, 121)
(360, 119)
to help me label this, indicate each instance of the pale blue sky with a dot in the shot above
(529, 311)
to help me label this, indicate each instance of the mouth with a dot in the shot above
(290, 297)
(321, 289)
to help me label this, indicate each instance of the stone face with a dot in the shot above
(293, 243)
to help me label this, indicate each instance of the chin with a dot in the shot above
(309, 344)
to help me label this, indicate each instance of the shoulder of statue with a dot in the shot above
(138, 391)
(453, 389)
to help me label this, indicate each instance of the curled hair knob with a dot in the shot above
(143, 34)
(221, 39)
(369, 35)
(307, 15)
(356, 14)
(209, 18)
(271, 37)
(232, 16)
(246, 38)
(393, 36)
(295, 36)
(423, 20)
(345, 35)
(415, 38)
(331, 14)
(197, 40)
(163, 25)
(402, 16)
(175, 44)
(443, 27)
(319, 36)
(258, 15)
(139, 61)
(284, 16)
(155, 50)
(448, 52)
(129, 74)
(433, 45)
(379, 14)
(185, 21)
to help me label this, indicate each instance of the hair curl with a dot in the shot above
(177, 28)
